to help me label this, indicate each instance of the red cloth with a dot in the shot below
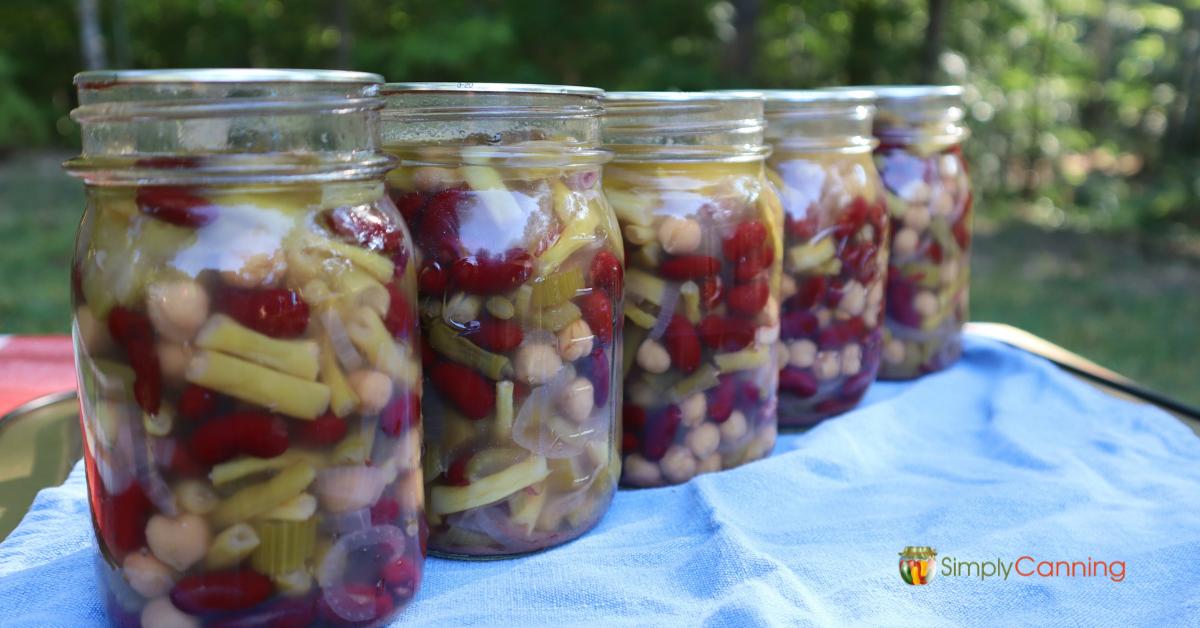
(32, 366)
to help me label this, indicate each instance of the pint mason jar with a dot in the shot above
(245, 339)
(702, 229)
(835, 249)
(920, 158)
(520, 276)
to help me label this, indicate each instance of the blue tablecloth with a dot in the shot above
(1001, 457)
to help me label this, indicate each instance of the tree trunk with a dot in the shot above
(120, 35)
(1183, 134)
(1033, 152)
(341, 21)
(740, 53)
(91, 41)
(933, 41)
(862, 59)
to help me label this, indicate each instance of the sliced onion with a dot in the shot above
(147, 474)
(162, 450)
(531, 428)
(492, 523)
(332, 573)
(339, 339)
(353, 521)
(670, 298)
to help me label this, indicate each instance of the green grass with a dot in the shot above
(1123, 304)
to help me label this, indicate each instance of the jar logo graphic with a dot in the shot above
(917, 564)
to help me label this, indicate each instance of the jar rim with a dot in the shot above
(849, 96)
(390, 89)
(224, 75)
(685, 97)
(905, 93)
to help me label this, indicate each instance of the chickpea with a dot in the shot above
(462, 308)
(925, 303)
(802, 353)
(431, 179)
(294, 583)
(147, 575)
(763, 443)
(178, 542)
(787, 287)
(177, 308)
(917, 218)
(653, 357)
(575, 340)
(703, 440)
(578, 400)
(893, 352)
(781, 355)
(173, 360)
(828, 365)
(641, 472)
(851, 359)
(537, 363)
(679, 235)
(905, 243)
(948, 166)
(374, 389)
(92, 333)
(710, 464)
(949, 272)
(261, 270)
(678, 465)
(196, 497)
(766, 336)
(824, 317)
(769, 316)
(871, 315)
(161, 613)
(875, 294)
(734, 428)
(693, 409)
(915, 192)
(344, 489)
(943, 203)
(854, 298)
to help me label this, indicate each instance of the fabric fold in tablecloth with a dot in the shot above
(1002, 456)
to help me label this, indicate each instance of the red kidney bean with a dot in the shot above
(746, 239)
(754, 263)
(401, 573)
(401, 413)
(598, 314)
(432, 279)
(400, 313)
(722, 398)
(473, 394)
(802, 229)
(134, 333)
(726, 333)
(711, 291)
(484, 274)
(685, 267)
(324, 430)
(176, 205)
(456, 473)
(386, 510)
(285, 613)
(799, 382)
(900, 295)
(197, 402)
(438, 231)
(798, 324)
(497, 335)
(221, 591)
(838, 334)
(749, 299)
(410, 205)
(366, 227)
(607, 273)
(122, 519)
(597, 371)
(809, 293)
(852, 218)
(244, 432)
(659, 433)
(682, 344)
(276, 312)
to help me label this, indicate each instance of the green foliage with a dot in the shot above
(1087, 112)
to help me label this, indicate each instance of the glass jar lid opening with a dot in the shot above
(684, 125)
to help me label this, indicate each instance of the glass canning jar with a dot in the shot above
(920, 158)
(702, 229)
(835, 249)
(520, 297)
(245, 342)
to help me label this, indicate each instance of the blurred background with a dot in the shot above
(1085, 118)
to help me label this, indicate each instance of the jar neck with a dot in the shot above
(817, 128)
(920, 115)
(666, 126)
(193, 130)
(455, 124)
